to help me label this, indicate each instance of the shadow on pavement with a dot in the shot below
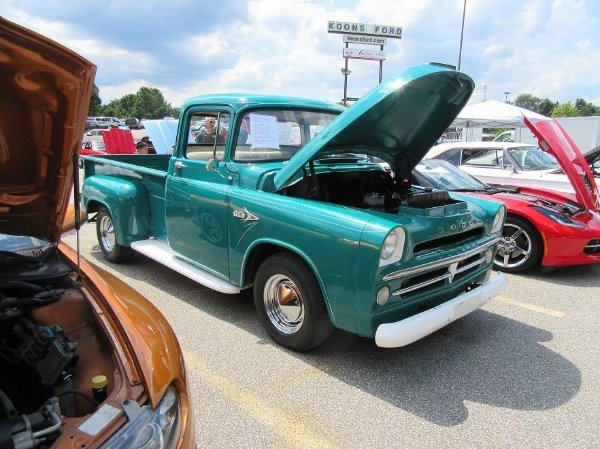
(483, 357)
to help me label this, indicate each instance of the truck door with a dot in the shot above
(197, 200)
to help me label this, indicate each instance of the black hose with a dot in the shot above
(87, 397)
(6, 406)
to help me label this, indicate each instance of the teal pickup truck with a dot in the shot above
(289, 197)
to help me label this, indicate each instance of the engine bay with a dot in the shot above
(367, 189)
(51, 346)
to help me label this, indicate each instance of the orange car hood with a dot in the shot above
(45, 91)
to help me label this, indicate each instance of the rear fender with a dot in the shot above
(126, 201)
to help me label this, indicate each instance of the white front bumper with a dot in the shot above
(409, 330)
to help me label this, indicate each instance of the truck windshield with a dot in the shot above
(277, 134)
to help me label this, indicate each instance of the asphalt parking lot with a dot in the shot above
(521, 372)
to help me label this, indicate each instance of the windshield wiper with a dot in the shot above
(469, 190)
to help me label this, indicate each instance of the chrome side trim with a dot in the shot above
(439, 263)
(161, 252)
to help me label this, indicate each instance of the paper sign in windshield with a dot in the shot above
(264, 131)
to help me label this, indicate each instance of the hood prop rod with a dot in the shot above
(77, 205)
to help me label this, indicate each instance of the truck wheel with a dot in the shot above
(520, 247)
(107, 238)
(289, 303)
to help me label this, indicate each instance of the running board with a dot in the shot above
(160, 251)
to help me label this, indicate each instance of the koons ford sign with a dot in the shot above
(364, 28)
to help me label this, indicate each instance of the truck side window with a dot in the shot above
(205, 130)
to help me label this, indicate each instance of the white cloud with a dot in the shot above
(546, 47)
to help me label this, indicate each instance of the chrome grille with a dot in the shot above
(438, 273)
(448, 240)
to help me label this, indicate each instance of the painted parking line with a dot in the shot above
(532, 307)
(292, 430)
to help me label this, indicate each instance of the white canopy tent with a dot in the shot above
(494, 114)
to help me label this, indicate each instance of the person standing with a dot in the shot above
(208, 133)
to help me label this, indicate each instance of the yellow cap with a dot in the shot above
(99, 381)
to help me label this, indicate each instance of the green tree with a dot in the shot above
(113, 109)
(528, 101)
(95, 102)
(545, 107)
(540, 105)
(585, 109)
(150, 104)
(147, 103)
(127, 105)
(567, 109)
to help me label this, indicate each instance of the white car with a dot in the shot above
(516, 164)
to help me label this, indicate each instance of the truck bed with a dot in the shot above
(150, 170)
(154, 164)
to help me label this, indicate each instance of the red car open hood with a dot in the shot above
(554, 139)
(119, 141)
(45, 92)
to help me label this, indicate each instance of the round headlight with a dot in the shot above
(498, 220)
(392, 247)
(389, 245)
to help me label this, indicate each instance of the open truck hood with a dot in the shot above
(45, 91)
(398, 121)
(557, 142)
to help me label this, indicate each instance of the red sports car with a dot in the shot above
(542, 227)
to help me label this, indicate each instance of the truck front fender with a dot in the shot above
(127, 202)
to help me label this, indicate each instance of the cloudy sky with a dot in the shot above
(549, 48)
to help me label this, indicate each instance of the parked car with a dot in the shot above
(593, 158)
(134, 123)
(86, 361)
(96, 147)
(515, 164)
(542, 228)
(112, 122)
(97, 131)
(91, 124)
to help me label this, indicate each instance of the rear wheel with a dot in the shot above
(107, 238)
(289, 303)
(520, 247)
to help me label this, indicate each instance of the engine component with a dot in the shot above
(47, 349)
(33, 430)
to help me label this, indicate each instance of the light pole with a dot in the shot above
(346, 72)
(506, 94)
(462, 29)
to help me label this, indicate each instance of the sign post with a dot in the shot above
(363, 34)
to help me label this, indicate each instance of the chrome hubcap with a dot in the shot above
(283, 304)
(515, 247)
(107, 233)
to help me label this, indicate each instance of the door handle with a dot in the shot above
(179, 164)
